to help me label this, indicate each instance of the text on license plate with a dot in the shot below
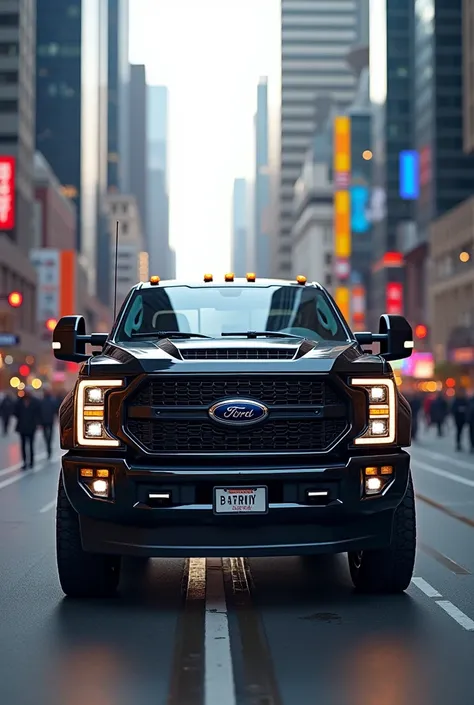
(229, 500)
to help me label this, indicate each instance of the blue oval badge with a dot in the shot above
(238, 412)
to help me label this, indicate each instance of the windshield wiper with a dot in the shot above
(168, 334)
(262, 334)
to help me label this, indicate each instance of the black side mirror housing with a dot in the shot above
(395, 337)
(397, 343)
(70, 339)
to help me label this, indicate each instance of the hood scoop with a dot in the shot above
(305, 347)
(169, 347)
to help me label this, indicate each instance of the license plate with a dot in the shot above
(243, 500)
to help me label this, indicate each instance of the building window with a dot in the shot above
(9, 49)
(8, 106)
(9, 77)
(10, 19)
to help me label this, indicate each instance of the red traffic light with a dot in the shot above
(15, 299)
(421, 331)
(24, 370)
(51, 324)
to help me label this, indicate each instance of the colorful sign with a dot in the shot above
(394, 299)
(342, 298)
(7, 193)
(360, 196)
(420, 365)
(358, 305)
(56, 292)
(409, 174)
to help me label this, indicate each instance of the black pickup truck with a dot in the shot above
(234, 418)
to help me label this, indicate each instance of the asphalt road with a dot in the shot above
(263, 632)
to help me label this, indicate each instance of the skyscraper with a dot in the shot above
(71, 113)
(239, 227)
(262, 185)
(118, 116)
(315, 39)
(138, 141)
(161, 260)
(17, 141)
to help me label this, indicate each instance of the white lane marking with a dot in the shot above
(443, 473)
(16, 478)
(440, 456)
(458, 616)
(219, 675)
(17, 466)
(48, 507)
(425, 587)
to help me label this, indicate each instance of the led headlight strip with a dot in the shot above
(381, 422)
(90, 424)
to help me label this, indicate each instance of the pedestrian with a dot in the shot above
(428, 401)
(7, 407)
(48, 413)
(415, 405)
(470, 421)
(439, 412)
(459, 410)
(27, 415)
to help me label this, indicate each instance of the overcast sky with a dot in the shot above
(210, 54)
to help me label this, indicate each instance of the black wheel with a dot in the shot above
(81, 574)
(389, 570)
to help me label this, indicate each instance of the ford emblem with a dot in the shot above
(238, 412)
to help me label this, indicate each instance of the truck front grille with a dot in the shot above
(200, 437)
(205, 391)
(238, 353)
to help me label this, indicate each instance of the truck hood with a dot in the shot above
(231, 356)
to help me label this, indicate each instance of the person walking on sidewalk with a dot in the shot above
(470, 421)
(416, 406)
(459, 411)
(439, 411)
(7, 407)
(27, 412)
(48, 413)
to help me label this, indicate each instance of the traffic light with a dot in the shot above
(51, 324)
(15, 299)
(421, 331)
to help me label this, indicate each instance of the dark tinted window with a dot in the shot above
(297, 310)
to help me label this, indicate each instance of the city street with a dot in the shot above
(269, 632)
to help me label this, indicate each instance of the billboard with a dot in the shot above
(56, 290)
(7, 192)
(360, 198)
(342, 207)
(409, 175)
(394, 299)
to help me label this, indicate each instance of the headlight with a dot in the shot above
(90, 424)
(381, 422)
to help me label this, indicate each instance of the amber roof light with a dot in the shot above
(208, 277)
(154, 279)
(251, 276)
(229, 277)
(301, 279)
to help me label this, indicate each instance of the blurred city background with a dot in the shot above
(361, 177)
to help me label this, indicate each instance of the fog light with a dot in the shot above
(370, 471)
(103, 473)
(373, 485)
(87, 472)
(386, 470)
(100, 488)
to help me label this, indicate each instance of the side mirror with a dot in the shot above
(70, 339)
(395, 337)
(398, 337)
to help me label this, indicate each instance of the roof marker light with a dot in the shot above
(208, 278)
(301, 279)
(154, 280)
(251, 276)
(229, 277)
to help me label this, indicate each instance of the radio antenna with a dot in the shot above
(117, 227)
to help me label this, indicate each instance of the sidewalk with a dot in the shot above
(428, 438)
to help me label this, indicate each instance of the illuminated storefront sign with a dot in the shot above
(7, 193)
(394, 299)
(342, 208)
(360, 196)
(409, 175)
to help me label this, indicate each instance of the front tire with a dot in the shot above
(389, 570)
(81, 574)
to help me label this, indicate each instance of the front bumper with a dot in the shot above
(130, 525)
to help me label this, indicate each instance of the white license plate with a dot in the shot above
(243, 500)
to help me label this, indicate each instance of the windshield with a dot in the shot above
(213, 311)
